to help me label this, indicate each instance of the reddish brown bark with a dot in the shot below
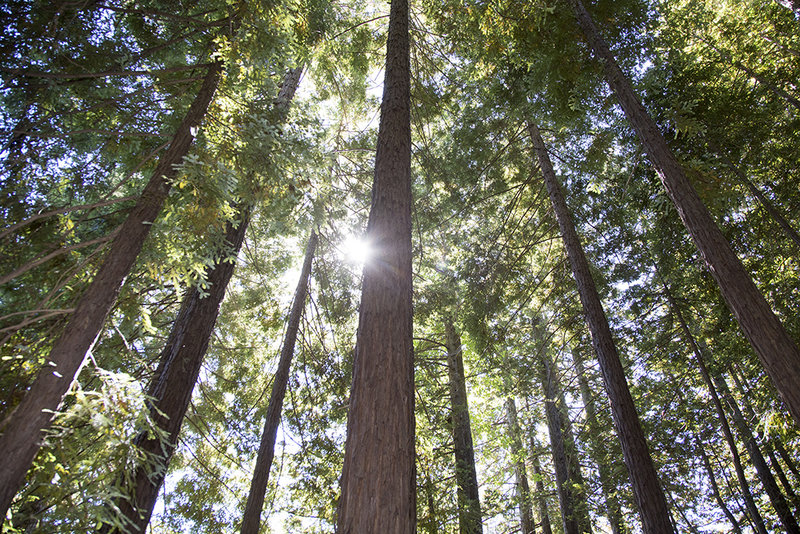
(171, 388)
(647, 490)
(251, 521)
(182, 358)
(378, 477)
(22, 435)
(469, 505)
(569, 480)
(613, 509)
(777, 351)
(747, 495)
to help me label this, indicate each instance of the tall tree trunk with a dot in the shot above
(747, 495)
(181, 360)
(523, 488)
(778, 352)
(469, 505)
(647, 491)
(569, 481)
(715, 487)
(378, 477)
(22, 435)
(613, 509)
(769, 445)
(541, 496)
(172, 385)
(757, 458)
(251, 520)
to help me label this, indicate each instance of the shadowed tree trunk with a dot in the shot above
(715, 487)
(613, 509)
(22, 434)
(647, 490)
(777, 351)
(569, 481)
(182, 358)
(378, 477)
(171, 388)
(541, 496)
(757, 459)
(251, 520)
(523, 488)
(752, 509)
(469, 505)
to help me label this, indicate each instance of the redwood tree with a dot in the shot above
(777, 351)
(378, 477)
(251, 520)
(22, 434)
(469, 506)
(647, 490)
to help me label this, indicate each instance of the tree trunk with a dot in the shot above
(523, 489)
(737, 529)
(569, 481)
(469, 505)
(747, 495)
(182, 358)
(541, 496)
(172, 385)
(647, 491)
(251, 520)
(764, 474)
(613, 509)
(378, 477)
(777, 351)
(22, 435)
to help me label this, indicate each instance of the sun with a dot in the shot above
(355, 250)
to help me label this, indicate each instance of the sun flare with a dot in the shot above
(355, 250)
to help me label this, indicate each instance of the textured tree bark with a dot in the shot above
(182, 358)
(541, 499)
(715, 487)
(378, 477)
(251, 521)
(764, 474)
(747, 495)
(469, 505)
(569, 481)
(613, 509)
(777, 351)
(172, 385)
(523, 488)
(647, 491)
(22, 434)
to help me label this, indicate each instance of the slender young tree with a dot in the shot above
(613, 509)
(520, 474)
(251, 521)
(378, 476)
(182, 358)
(541, 496)
(569, 481)
(777, 351)
(647, 490)
(469, 505)
(744, 486)
(737, 529)
(774, 493)
(22, 434)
